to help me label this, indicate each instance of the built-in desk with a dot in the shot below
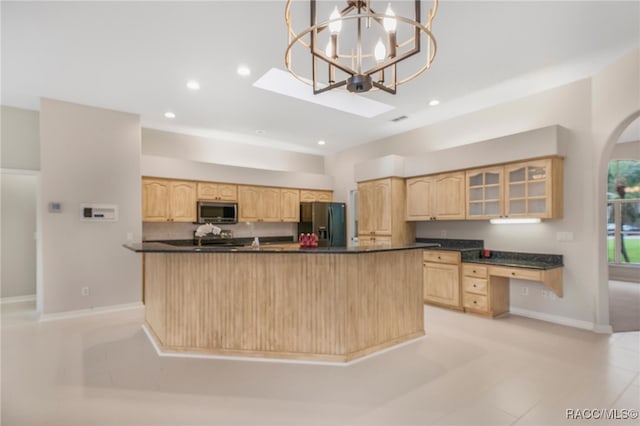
(485, 288)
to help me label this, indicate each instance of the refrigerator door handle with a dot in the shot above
(329, 227)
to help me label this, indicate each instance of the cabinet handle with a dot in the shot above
(475, 302)
(513, 273)
(474, 286)
(474, 271)
(439, 258)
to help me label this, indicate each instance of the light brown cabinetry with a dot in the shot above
(258, 204)
(217, 191)
(534, 189)
(436, 197)
(441, 278)
(168, 200)
(482, 294)
(307, 195)
(381, 212)
(485, 193)
(289, 205)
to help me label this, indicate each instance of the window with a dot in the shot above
(623, 212)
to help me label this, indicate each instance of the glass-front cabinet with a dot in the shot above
(485, 193)
(534, 189)
(518, 190)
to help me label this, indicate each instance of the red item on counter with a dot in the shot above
(486, 253)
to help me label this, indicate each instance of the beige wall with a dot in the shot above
(89, 155)
(194, 148)
(586, 108)
(20, 139)
(19, 192)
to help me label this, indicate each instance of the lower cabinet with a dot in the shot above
(441, 278)
(483, 294)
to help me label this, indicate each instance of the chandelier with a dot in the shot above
(359, 48)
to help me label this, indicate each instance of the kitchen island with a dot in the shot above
(327, 304)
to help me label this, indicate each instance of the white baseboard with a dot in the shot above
(91, 311)
(18, 299)
(557, 319)
(602, 329)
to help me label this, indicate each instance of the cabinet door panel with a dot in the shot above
(207, 191)
(248, 203)
(365, 208)
(290, 205)
(227, 192)
(155, 200)
(325, 196)
(183, 201)
(484, 193)
(449, 196)
(442, 283)
(270, 204)
(382, 207)
(419, 203)
(529, 190)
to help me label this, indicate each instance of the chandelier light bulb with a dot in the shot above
(336, 26)
(389, 23)
(380, 51)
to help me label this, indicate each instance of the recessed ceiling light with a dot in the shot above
(169, 114)
(321, 142)
(434, 102)
(243, 70)
(193, 85)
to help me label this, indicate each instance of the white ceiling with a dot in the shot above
(138, 56)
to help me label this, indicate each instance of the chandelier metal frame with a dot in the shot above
(351, 62)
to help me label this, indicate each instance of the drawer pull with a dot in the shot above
(439, 258)
(475, 302)
(475, 286)
(474, 271)
(513, 273)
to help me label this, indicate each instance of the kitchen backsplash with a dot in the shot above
(180, 231)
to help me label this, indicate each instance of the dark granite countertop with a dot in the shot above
(243, 241)
(161, 247)
(452, 244)
(515, 259)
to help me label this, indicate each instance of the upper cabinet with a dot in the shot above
(213, 191)
(436, 197)
(267, 204)
(381, 212)
(315, 195)
(258, 204)
(168, 200)
(485, 198)
(534, 189)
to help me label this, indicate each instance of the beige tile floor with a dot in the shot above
(102, 370)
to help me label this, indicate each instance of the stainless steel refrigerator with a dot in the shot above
(327, 220)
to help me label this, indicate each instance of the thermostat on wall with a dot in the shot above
(99, 212)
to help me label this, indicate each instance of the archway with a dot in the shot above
(602, 295)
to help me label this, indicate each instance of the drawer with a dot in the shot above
(475, 301)
(523, 274)
(442, 256)
(474, 270)
(474, 285)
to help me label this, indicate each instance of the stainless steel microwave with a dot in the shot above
(217, 212)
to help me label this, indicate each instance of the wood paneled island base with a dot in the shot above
(301, 305)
